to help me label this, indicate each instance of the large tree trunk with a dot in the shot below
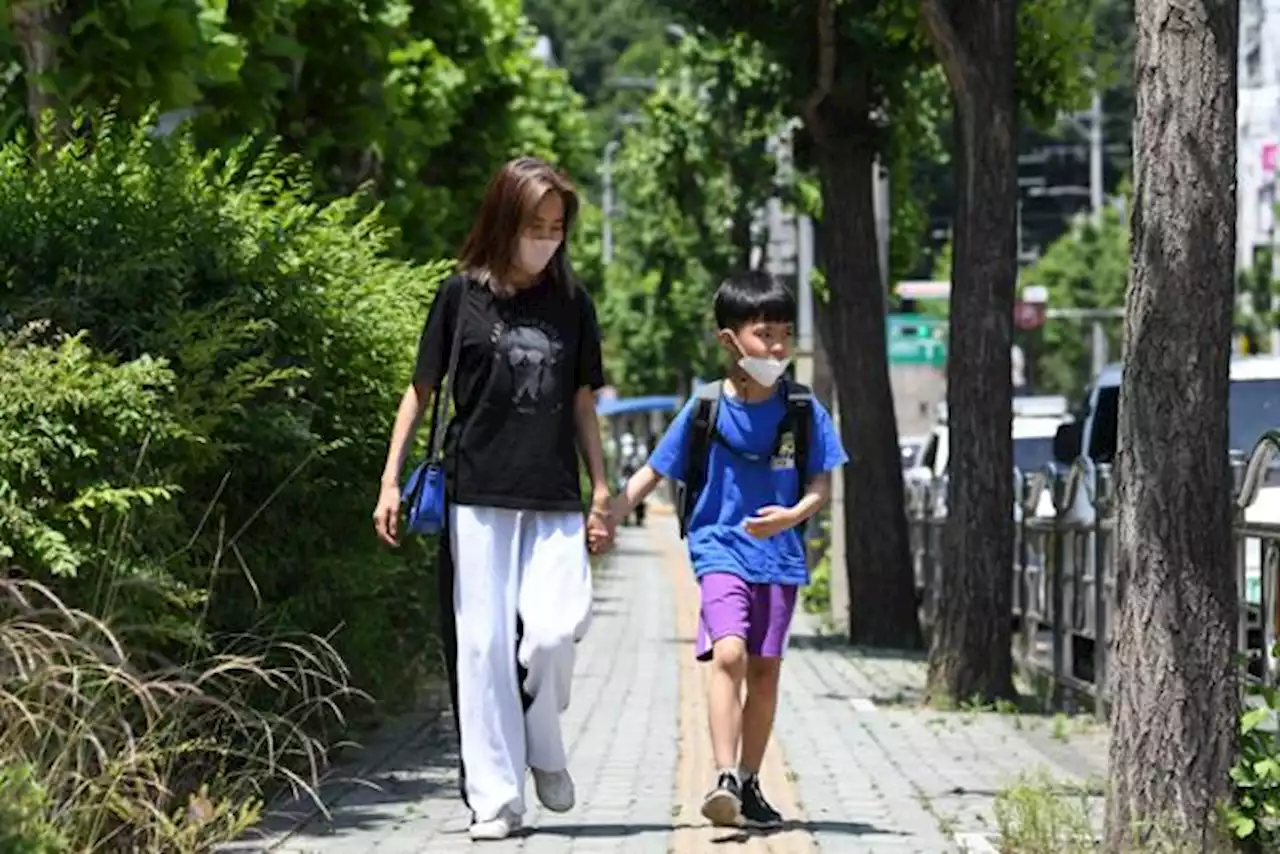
(1173, 682)
(970, 651)
(35, 24)
(882, 611)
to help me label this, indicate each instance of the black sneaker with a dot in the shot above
(756, 811)
(723, 805)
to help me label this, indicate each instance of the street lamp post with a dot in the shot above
(606, 175)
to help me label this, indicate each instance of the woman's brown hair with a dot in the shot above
(509, 202)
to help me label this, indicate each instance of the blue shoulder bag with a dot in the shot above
(424, 493)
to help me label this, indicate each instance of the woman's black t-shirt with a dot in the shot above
(513, 440)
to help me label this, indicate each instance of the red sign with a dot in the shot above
(1028, 315)
(1269, 157)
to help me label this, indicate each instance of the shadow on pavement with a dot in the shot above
(406, 765)
(615, 830)
(835, 643)
(842, 828)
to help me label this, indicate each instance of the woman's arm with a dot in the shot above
(386, 516)
(588, 425)
(412, 404)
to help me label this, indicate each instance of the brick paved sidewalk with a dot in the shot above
(856, 764)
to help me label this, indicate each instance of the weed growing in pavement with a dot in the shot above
(1038, 815)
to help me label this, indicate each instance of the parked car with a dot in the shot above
(1036, 420)
(1254, 404)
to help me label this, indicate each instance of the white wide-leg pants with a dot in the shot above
(532, 565)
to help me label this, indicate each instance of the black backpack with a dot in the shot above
(797, 422)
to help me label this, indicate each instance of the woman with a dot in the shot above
(528, 367)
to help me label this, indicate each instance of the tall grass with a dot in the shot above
(119, 754)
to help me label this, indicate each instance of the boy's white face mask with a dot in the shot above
(765, 370)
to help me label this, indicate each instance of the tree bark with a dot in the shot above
(1173, 681)
(881, 585)
(971, 643)
(35, 24)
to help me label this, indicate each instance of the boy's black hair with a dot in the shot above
(753, 297)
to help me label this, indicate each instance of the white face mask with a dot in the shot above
(535, 254)
(764, 370)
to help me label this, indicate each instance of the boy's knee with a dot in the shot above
(729, 654)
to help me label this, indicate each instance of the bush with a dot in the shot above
(816, 596)
(24, 829)
(198, 369)
(1254, 814)
(289, 337)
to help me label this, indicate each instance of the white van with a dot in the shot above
(1035, 424)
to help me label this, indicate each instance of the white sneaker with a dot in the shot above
(495, 828)
(554, 788)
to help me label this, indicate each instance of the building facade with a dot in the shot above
(1258, 123)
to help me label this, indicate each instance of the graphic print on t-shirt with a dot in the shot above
(785, 458)
(532, 352)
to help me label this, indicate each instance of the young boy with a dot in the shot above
(744, 522)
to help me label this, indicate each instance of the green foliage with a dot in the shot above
(1254, 815)
(817, 594)
(592, 38)
(418, 101)
(1255, 319)
(251, 347)
(691, 174)
(95, 422)
(884, 45)
(1057, 58)
(23, 826)
(1088, 267)
(916, 126)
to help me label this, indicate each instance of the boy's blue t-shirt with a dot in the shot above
(736, 487)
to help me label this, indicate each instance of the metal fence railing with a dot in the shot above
(1064, 568)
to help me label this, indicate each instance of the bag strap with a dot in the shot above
(700, 436)
(435, 438)
(800, 418)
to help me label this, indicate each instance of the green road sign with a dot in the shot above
(916, 339)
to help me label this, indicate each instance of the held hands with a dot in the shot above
(601, 525)
(771, 520)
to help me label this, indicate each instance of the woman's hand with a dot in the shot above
(386, 516)
(600, 524)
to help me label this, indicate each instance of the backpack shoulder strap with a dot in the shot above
(799, 420)
(706, 409)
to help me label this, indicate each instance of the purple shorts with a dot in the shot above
(760, 614)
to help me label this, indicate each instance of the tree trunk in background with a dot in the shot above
(881, 586)
(34, 24)
(1173, 681)
(971, 644)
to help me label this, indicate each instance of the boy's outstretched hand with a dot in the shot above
(769, 521)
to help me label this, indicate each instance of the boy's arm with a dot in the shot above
(769, 521)
(638, 487)
(816, 495)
